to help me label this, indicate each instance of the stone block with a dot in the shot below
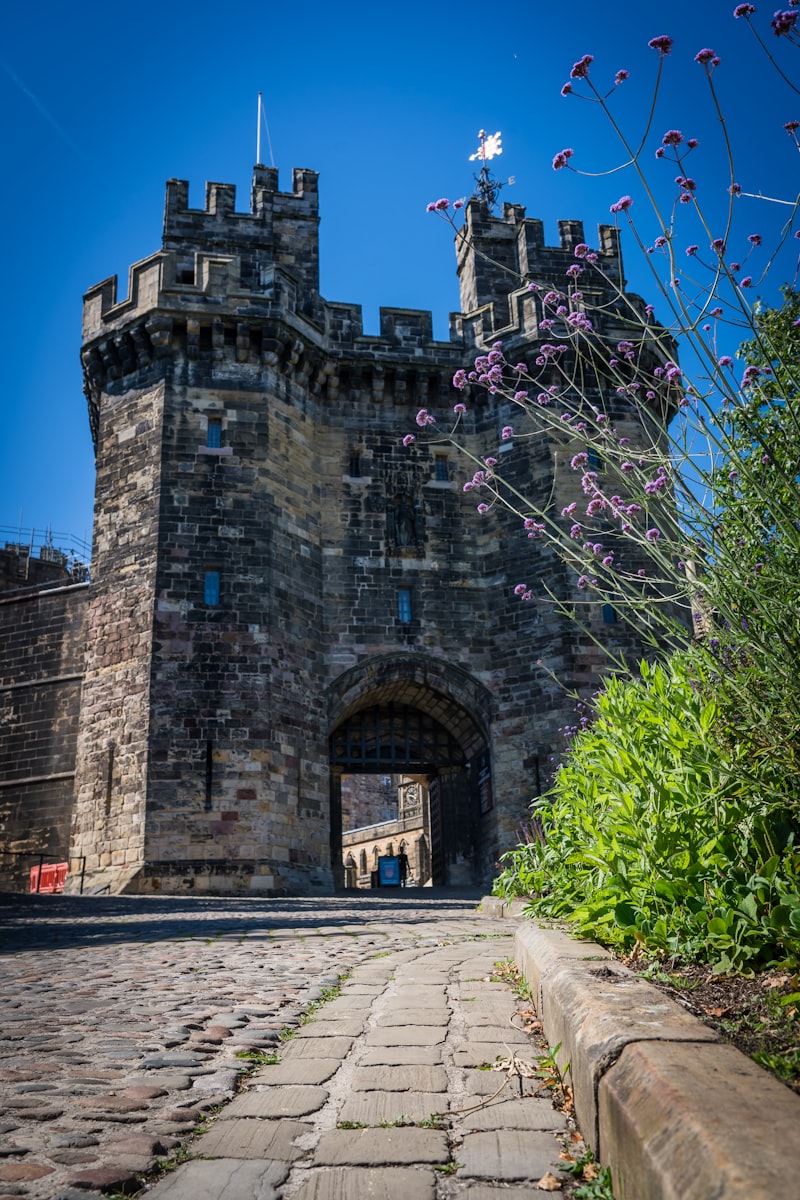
(276, 1102)
(537, 949)
(508, 1155)
(251, 1138)
(380, 1147)
(368, 1183)
(234, 1178)
(699, 1121)
(374, 1108)
(592, 1011)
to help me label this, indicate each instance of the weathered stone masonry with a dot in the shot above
(280, 589)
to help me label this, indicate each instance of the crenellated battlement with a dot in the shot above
(495, 255)
(229, 287)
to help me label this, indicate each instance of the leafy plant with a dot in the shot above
(659, 835)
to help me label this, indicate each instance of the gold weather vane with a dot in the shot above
(490, 147)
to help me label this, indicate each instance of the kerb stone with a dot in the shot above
(696, 1122)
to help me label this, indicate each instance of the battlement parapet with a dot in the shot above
(495, 255)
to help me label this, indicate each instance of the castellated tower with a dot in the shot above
(282, 594)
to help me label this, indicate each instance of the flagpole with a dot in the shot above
(258, 132)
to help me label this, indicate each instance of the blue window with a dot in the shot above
(214, 433)
(211, 587)
(609, 614)
(440, 467)
(593, 459)
(404, 605)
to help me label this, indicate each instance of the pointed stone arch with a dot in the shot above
(407, 713)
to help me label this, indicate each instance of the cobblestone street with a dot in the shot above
(125, 1021)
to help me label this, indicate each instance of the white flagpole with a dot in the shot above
(258, 132)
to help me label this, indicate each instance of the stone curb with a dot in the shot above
(675, 1113)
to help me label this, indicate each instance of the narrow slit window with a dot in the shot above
(609, 614)
(354, 466)
(214, 433)
(404, 605)
(211, 582)
(440, 467)
(593, 459)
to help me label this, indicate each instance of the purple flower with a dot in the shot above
(725, 360)
(673, 137)
(581, 250)
(608, 561)
(583, 581)
(580, 460)
(622, 205)
(706, 56)
(460, 409)
(520, 367)
(561, 159)
(566, 89)
(663, 44)
(783, 23)
(576, 531)
(460, 379)
(735, 189)
(621, 76)
(520, 588)
(424, 418)
(718, 246)
(744, 10)
(580, 69)
(569, 510)
(483, 508)
(755, 239)
(408, 439)
(520, 397)
(652, 535)
(507, 432)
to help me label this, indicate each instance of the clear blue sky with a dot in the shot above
(102, 103)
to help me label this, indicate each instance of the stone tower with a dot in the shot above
(281, 592)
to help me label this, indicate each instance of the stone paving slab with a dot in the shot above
(406, 1035)
(297, 1071)
(401, 1056)
(399, 1079)
(486, 1083)
(324, 1028)
(228, 1178)
(276, 1102)
(334, 1047)
(245, 1138)
(514, 1112)
(476, 1054)
(373, 1108)
(508, 1155)
(369, 1183)
(381, 1147)
(398, 1014)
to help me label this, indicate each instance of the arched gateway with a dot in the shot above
(426, 722)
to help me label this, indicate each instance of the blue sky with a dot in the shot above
(103, 103)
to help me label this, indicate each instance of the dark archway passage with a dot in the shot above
(399, 716)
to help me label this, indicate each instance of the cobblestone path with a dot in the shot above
(125, 1022)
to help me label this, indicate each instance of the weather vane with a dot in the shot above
(488, 187)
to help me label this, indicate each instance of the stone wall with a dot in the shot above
(42, 634)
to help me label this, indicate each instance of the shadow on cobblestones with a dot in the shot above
(54, 922)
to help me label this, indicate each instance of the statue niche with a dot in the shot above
(404, 531)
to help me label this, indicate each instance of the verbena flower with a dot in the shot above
(663, 44)
(562, 158)
(622, 205)
(580, 69)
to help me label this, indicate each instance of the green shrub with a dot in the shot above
(659, 833)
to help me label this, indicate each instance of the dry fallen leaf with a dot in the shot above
(716, 1012)
(549, 1183)
(590, 1171)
